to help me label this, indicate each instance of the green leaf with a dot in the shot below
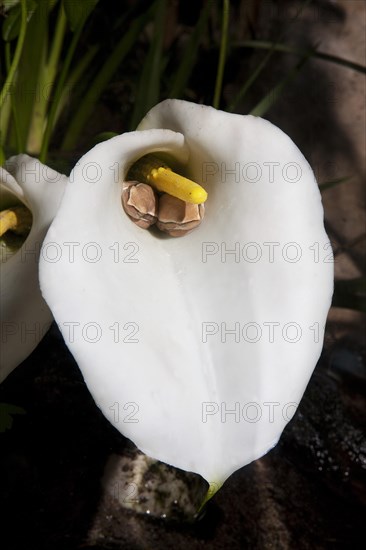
(333, 183)
(250, 81)
(77, 78)
(184, 70)
(65, 66)
(26, 87)
(12, 23)
(222, 55)
(261, 66)
(9, 4)
(46, 80)
(78, 12)
(96, 87)
(103, 136)
(148, 91)
(6, 415)
(270, 99)
(11, 83)
(285, 48)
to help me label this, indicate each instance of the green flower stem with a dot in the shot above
(18, 52)
(59, 90)
(148, 89)
(99, 83)
(184, 71)
(47, 79)
(12, 105)
(57, 45)
(74, 78)
(4, 94)
(222, 57)
(6, 108)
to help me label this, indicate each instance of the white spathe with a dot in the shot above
(24, 315)
(148, 318)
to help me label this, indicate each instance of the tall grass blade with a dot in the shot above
(97, 86)
(148, 91)
(272, 97)
(184, 71)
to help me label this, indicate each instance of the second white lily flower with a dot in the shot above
(24, 315)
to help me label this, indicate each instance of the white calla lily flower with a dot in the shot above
(198, 349)
(24, 315)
